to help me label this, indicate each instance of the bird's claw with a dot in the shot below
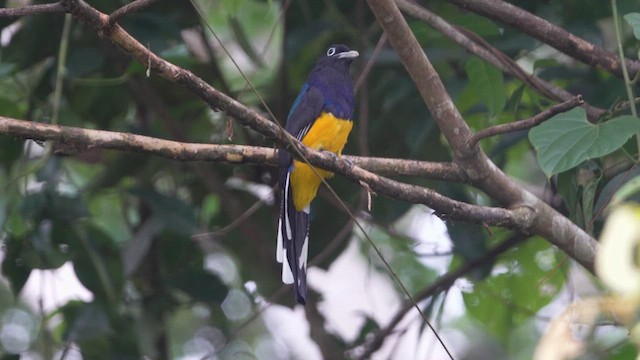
(338, 158)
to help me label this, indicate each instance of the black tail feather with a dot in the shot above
(294, 233)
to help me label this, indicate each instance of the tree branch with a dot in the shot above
(548, 33)
(481, 171)
(79, 138)
(478, 168)
(128, 9)
(520, 218)
(513, 219)
(88, 138)
(478, 46)
(32, 10)
(527, 123)
(247, 117)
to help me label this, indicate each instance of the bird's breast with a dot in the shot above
(328, 133)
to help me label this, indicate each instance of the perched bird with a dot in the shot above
(321, 117)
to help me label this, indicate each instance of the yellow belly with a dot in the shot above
(328, 133)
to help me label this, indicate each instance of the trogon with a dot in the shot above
(321, 118)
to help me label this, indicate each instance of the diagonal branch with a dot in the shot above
(478, 46)
(529, 214)
(482, 173)
(548, 33)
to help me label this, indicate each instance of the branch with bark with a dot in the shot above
(478, 46)
(479, 168)
(39, 9)
(530, 215)
(527, 123)
(549, 33)
(519, 210)
(79, 138)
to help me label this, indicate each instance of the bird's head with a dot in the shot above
(339, 54)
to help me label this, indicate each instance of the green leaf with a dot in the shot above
(608, 191)
(86, 321)
(199, 285)
(14, 267)
(470, 242)
(568, 190)
(568, 139)
(97, 264)
(588, 199)
(178, 216)
(516, 98)
(488, 83)
(634, 21)
(519, 286)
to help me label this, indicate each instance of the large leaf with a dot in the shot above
(568, 139)
(487, 82)
(634, 20)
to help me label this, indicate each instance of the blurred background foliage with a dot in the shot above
(137, 229)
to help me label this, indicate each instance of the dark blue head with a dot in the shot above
(331, 76)
(338, 55)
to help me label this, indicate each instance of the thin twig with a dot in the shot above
(443, 283)
(527, 123)
(128, 9)
(370, 62)
(57, 7)
(234, 224)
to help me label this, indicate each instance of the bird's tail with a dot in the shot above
(293, 240)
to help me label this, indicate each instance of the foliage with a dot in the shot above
(569, 139)
(136, 228)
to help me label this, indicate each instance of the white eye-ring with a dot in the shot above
(331, 51)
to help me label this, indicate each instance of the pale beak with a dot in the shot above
(348, 55)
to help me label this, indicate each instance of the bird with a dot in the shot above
(321, 117)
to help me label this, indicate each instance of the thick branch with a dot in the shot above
(527, 123)
(476, 45)
(481, 171)
(32, 10)
(79, 138)
(422, 73)
(548, 33)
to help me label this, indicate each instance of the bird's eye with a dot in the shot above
(331, 51)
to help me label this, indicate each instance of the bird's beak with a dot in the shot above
(348, 55)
